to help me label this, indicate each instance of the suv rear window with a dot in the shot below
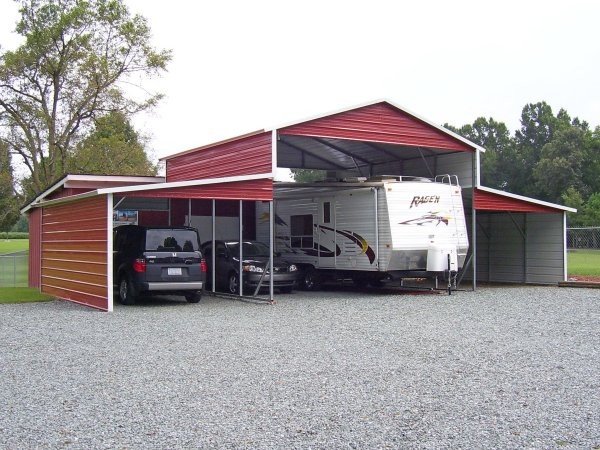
(171, 241)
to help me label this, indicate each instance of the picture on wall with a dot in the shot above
(124, 217)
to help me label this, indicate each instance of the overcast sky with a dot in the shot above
(240, 66)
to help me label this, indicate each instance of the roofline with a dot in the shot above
(79, 177)
(213, 144)
(56, 201)
(394, 105)
(525, 199)
(187, 183)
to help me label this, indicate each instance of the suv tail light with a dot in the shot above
(139, 265)
(203, 267)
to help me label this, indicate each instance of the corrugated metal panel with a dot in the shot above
(35, 247)
(242, 190)
(378, 123)
(487, 201)
(73, 252)
(245, 156)
(545, 248)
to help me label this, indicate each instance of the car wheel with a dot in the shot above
(126, 291)
(193, 297)
(233, 283)
(310, 280)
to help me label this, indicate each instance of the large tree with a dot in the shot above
(70, 69)
(113, 147)
(9, 201)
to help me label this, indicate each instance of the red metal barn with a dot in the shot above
(512, 238)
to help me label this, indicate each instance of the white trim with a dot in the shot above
(57, 201)
(109, 251)
(274, 151)
(525, 199)
(478, 167)
(362, 105)
(187, 183)
(565, 262)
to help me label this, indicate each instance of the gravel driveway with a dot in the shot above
(497, 368)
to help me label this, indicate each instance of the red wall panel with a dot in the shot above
(488, 201)
(242, 190)
(153, 218)
(35, 247)
(378, 123)
(244, 156)
(73, 251)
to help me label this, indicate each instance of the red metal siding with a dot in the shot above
(35, 247)
(378, 123)
(242, 190)
(153, 218)
(245, 156)
(487, 201)
(73, 255)
(67, 192)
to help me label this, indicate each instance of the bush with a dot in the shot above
(13, 235)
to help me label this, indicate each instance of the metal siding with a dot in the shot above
(245, 156)
(35, 247)
(378, 123)
(459, 164)
(487, 201)
(73, 252)
(507, 249)
(241, 190)
(545, 249)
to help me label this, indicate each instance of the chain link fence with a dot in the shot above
(584, 237)
(14, 269)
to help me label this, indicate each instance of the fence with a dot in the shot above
(14, 269)
(585, 237)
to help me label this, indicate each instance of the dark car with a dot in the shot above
(163, 260)
(254, 266)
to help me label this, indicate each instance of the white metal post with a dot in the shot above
(565, 268)
(109, 252)
(240, 278)
(189, 223)
(474, 242)
(214, 250)
(271, 248)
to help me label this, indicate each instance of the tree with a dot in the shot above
(9, 202)
(112, 148)
(308, 175)
(495, 138)
(76, 55)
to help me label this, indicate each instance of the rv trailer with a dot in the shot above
(384, 228)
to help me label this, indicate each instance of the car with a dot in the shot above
(166, 260)
(254, 267)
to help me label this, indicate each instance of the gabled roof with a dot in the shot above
(488, 199)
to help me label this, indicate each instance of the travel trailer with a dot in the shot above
(384, 228)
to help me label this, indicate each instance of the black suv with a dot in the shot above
(153, 259)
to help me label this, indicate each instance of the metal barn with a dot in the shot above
(513, 238)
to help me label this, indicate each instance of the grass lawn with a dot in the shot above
(13, 245)
(22, 295)
(584, 262)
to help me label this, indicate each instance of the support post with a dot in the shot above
(214, 250)
(241, 276)
(271, 248)
(109, 252)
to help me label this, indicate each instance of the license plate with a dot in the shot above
(174, 271)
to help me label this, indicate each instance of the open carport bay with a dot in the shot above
(500, 367)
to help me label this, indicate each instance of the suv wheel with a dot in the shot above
(233, 283)
(126, 291)
(193, 297)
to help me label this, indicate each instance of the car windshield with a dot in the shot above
(249, 249)
(171, 240)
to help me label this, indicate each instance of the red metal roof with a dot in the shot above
(383, 123)
(486, 199)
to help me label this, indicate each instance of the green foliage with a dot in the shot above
(22, 225)
(308, 175)
(13, 241)
(113, 148)
(9, 201)
(70, 70)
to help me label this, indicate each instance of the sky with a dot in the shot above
(240, 66)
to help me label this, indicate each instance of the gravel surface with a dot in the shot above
(497, 368)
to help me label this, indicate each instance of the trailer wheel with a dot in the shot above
(310, 280)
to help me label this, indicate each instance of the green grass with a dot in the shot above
(13, 245)
(583, 262)
(22, 295)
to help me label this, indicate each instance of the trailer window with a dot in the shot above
(326, 212)
(301, 231)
